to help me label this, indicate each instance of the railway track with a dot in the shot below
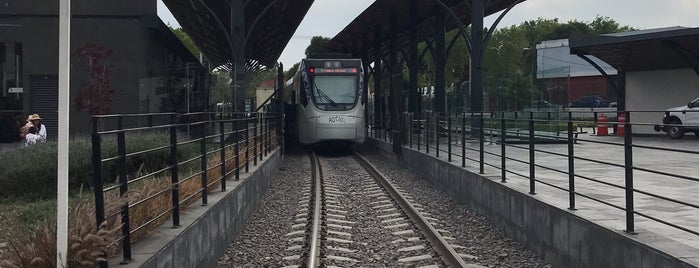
(352, 215)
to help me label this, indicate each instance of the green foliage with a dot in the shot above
(510, 56)
(31, 172)
(318, 45)
(186, 40)
(292, 71)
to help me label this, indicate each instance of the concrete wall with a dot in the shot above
(206, 231)
(560, 237)
(657, 91)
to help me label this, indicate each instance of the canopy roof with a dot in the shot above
(359, 35)
(655, 49)
(208, 23)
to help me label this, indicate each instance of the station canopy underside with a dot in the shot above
(393, 17)
(643, 50)
(208, 22)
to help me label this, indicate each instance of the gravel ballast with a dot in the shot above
(262, 242)
(475, 233)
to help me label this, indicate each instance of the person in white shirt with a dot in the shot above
(34, 121)
(32, 137)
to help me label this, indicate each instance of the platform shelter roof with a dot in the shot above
(209, 21)
(652, 49)
(393, 17)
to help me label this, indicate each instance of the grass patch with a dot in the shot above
(35, 246)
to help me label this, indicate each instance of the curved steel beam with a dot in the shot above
(495, 24)
(458, 23)
(225, 33)
(254, 23)
(451, 44)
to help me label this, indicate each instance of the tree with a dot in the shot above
(96, 95)
(318, 46)
(185, 39)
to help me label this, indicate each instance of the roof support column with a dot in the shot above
(413, 61)
(397, 102)
(237, 33)
(378, 98)
(477, 55)
(440, 63)
(365, 82)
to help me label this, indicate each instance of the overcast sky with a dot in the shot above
(328, 17)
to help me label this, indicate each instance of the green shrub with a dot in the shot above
(31, 171)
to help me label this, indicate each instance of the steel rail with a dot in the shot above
(449, 256)
(314, 250)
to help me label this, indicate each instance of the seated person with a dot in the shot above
(31, 137)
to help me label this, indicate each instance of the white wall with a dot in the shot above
(657, 91)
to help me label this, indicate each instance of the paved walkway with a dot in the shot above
(671, 240)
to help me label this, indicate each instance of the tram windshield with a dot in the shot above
(335, 89)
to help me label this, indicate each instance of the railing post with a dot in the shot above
(532, 162)
(247, 143)
(594, 126)
(463, 139)
(571, 164)
(237, 128)
(410, 129)
(436, 133)
(97, 178)
(420, 129)
(449, 137)
(222, 146)
(503, 159)
(628, 170)
(256, 141)
(123, 188)
(481, 168)
(427, 128)
(204, 168)
(174, 173)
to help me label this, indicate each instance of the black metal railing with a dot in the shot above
(199, 153)
(553, 149)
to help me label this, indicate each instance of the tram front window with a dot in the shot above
(334, 90)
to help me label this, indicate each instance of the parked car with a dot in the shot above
(680, 120)
(591, 101)
(543, 104)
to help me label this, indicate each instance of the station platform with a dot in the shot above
(675, 242)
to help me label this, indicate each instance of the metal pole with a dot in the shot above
(449, 137)
(628, 170)
(174, 174)
(463, 140)
(532, 166)
(97, 180)
(502, 147)
(204, 168)
(571, 164)
(481, 145)
(123, 188)
(63, 136)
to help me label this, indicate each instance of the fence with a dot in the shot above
(134, 189)
(567, 152)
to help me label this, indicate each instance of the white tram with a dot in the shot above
(328, 101)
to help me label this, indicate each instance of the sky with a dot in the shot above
(329, 17)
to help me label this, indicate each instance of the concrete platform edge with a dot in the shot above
(206, 231)
(557, 235)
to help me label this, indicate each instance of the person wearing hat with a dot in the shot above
(34, 120)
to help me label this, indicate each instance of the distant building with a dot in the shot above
(263, 91)
(138, 65)
(563, 77)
